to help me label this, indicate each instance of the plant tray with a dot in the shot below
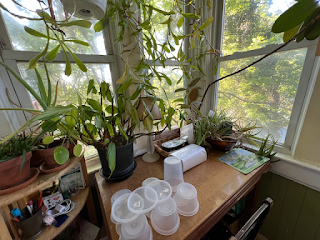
(159, 148)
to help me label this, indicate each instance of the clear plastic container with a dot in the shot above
(173, 172)
(120, 212)
(164, 218)
(149, 180)
(163, 189)
(119, 194)
(142, 200)
(138, 229)
(186, 199)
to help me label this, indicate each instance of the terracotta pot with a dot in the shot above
(219, 145)
(10, 174)
(71, 146)
(47, 155)
(36, 159)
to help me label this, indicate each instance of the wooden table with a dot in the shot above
(219, 187)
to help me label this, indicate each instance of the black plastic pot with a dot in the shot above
(125, 163)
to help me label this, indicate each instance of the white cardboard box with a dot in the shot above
(191, 156)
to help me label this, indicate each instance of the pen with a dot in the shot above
(40, 201)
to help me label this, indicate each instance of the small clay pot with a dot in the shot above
(219, 145)
(10, 174)
(47, 155)
(71, 146)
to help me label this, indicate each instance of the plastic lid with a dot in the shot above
(142, 200)
(163, 189)
(149, 180)
(118, 194)
(186, 190)
(134, 228)
(120, 211)
(166, 208)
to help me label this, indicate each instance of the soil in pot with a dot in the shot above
(47, 155)
(219, 145)
(10, 174)
(125, 163)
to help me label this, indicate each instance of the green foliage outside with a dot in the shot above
(264, 93)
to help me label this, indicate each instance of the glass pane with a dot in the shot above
(264, 93)
(25, 42)
(161, 34)
(247, 24)
(169, 95)
(68, 86)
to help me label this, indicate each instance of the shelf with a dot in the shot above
(80, 199)
(42, 181)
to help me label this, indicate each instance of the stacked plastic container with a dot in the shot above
(154, 199)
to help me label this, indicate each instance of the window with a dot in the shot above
(23, 41)
(271, 92)
(22, 47)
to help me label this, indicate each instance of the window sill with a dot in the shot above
(301, 172)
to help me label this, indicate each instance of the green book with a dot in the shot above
(243, 160)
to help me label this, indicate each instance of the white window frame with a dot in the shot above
(307, 78)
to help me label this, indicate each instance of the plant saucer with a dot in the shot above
(34, 172)
(45, 169)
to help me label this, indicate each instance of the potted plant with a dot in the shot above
(110, 128)
(222, 132)
(15, 157)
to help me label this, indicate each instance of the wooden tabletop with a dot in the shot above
(219, 187)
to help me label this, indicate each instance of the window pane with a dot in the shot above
(161, 36)
(247, 24)
(166, 92)
(264, 93)
(25, 42)
(68, 86)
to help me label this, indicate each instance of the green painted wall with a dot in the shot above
(295, 214)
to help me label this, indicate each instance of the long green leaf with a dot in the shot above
(49, 84)
(78, 42)
(136, 93)
(123, 88)
(53, 112)
(24, 153)
(121, 129)
(180, 22)
(294, 16)
(94, 104)
(26, 85)
(206, 24)
(80, 23)
(36, 33)
(101, 24)
(52, 54)
(33, 61)
(80, 64)
(147, 108)
(41, 87)
(111, 157)
(68, 69)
